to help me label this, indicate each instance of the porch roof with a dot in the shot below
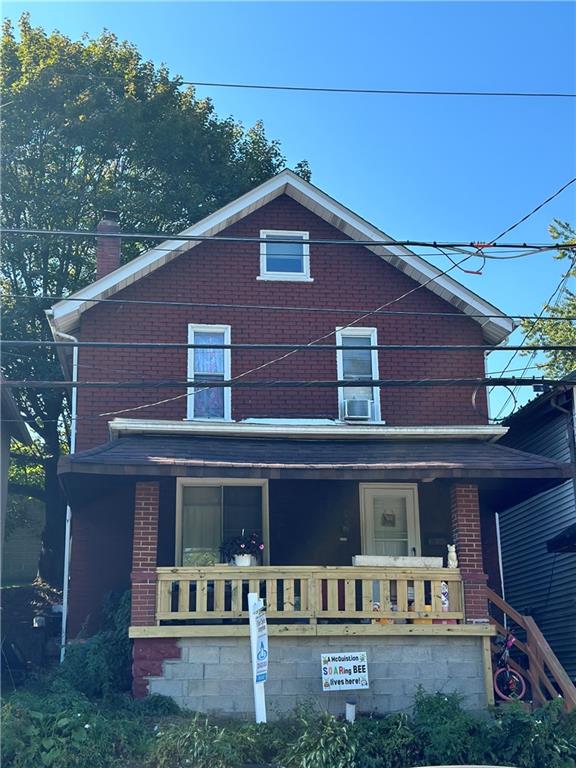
(205, 456)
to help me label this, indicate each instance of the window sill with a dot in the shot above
(286, 278)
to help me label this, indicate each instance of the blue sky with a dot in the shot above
(419, 167)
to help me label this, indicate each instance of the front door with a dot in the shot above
(389, 518)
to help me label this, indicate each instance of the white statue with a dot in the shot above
(452, 558)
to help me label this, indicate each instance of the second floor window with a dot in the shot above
(285, 255)
(206, 365)
(358, 402)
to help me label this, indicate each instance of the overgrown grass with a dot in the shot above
(65, 728)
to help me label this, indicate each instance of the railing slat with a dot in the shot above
(289, 605)
(402, 595)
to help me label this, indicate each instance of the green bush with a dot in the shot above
(387, 742)
(195, 744)
(67, 739)
(546, 737)
(445, 733)
(324, 742)
(102, 665)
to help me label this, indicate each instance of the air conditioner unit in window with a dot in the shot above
(357, 410)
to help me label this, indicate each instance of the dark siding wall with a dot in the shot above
(537, 582)
(225, 273)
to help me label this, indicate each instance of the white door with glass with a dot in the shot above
(389, 519)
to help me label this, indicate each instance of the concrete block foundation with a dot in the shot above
(213, 675)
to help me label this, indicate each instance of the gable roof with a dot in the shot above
(496, 326)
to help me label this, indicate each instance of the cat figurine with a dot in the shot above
(452, 558)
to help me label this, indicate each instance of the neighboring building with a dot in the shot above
(13, 426)
(324, 474)
(538, 535)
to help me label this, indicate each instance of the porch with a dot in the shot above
(306, 600)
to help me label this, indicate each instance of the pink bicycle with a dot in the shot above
(508, 684)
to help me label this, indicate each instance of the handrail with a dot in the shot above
(545, 673)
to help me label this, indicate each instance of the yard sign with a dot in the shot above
(259, 652)
(344, 671)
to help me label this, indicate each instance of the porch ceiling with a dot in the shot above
(413, 460)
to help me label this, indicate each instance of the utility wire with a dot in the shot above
(224, 239)
(380, 91)
(282, 345)
(286, 384)
(538, 207)
(558, 290)
(274, 307)
(327, 89)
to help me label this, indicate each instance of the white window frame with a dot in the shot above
(193, 328)
(182, 482)
(410, 493)
(301, 277)
(358, 332)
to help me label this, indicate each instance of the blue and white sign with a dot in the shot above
(259, 650)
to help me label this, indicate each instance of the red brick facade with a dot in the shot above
(144, 554)
(346, 277)
(465, 509)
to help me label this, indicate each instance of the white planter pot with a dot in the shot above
(243, 560)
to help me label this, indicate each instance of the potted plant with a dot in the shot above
(241, 549)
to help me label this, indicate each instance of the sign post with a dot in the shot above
(259, 652)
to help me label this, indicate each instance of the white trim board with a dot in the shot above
(66, 314)
(282, 430)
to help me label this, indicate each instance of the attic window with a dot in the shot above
(285, 255)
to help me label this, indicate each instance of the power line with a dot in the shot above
(281, 345)
(328, 89)
(225, 239)
(380, 91)
(538, 207)
(557, 290)
(277, 307)
(286, 384)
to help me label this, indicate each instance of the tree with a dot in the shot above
(558, 363)
(89, 125)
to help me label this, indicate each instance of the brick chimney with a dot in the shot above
(107, 248)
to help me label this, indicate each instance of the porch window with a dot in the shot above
(210, 514)
(358, 403)
(285, 255)
(206, 366)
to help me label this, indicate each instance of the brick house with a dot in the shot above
(355, 489)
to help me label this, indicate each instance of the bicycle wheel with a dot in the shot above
(509, 685)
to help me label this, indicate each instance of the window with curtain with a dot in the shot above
(207, 365)
(214, 514)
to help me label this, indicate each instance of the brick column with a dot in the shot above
(465, 510)
(144, 554)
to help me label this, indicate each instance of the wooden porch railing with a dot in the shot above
(309, 594)
(548, 678)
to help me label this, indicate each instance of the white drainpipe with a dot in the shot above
(68, 538)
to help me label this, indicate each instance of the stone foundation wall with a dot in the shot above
(214, 674)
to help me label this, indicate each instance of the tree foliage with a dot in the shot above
(558, 363)
(89, 125)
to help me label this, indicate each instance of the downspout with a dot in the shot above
(500, 563)
(68, 537)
